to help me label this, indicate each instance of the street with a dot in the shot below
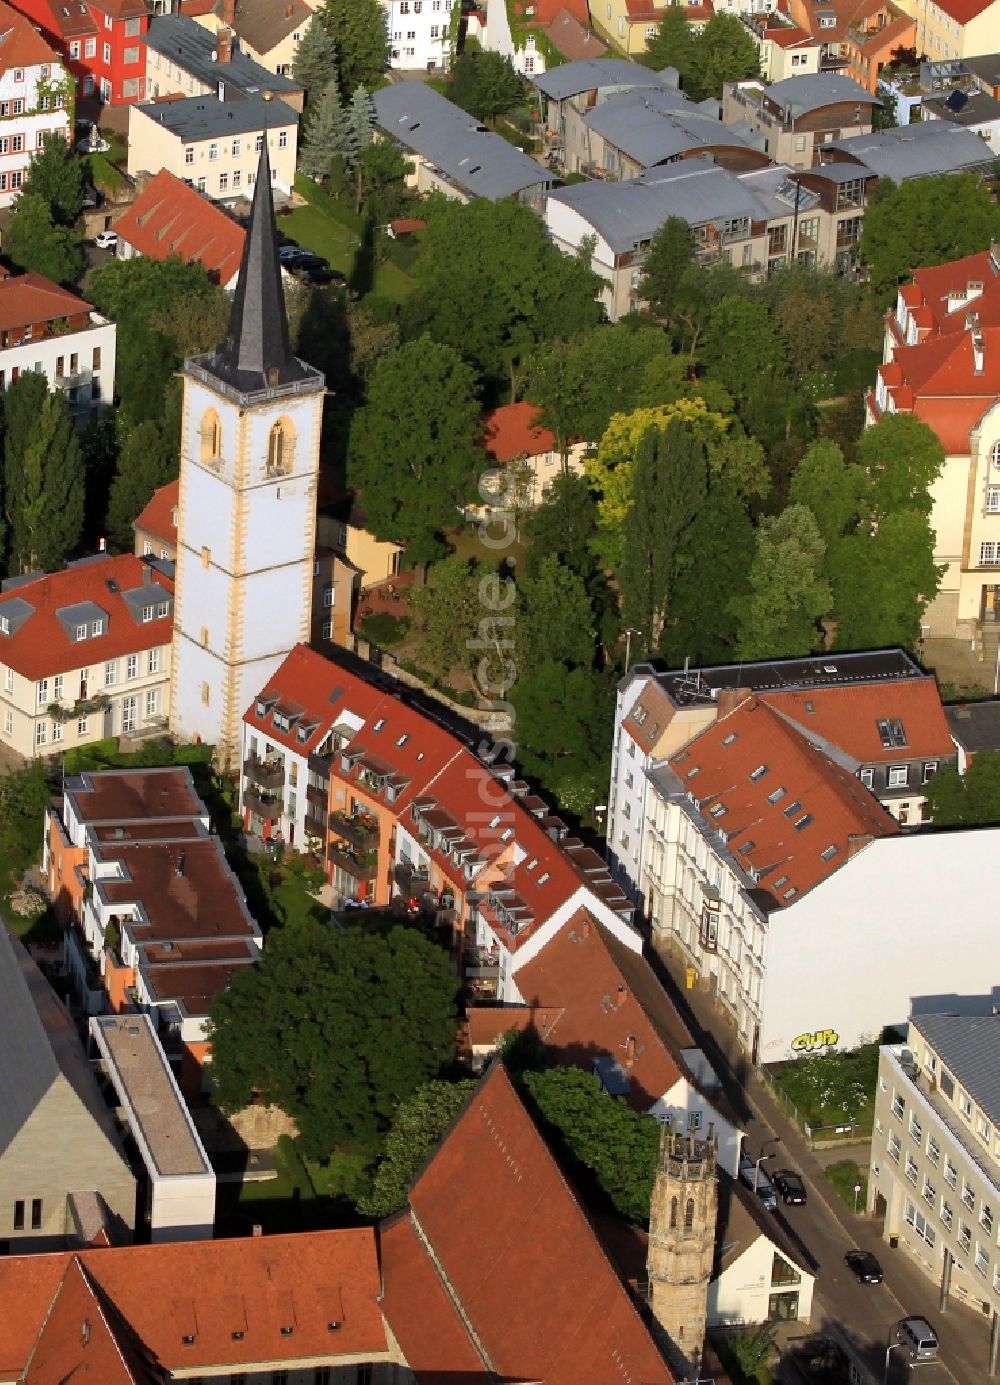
(823, 1230)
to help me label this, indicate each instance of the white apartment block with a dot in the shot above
(36, 100)
(419, 33)
(46, 330)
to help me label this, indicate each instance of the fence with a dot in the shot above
(818, 1135)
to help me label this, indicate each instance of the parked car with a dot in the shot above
(290, 252)
(304, 263)
(789, 1187)
(753, 1175)
(864, 1265)
(106, 240)
(917, 1338)
(318, 275)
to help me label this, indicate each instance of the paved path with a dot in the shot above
(824, 1229)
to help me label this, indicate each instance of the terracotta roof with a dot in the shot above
(30, 298)
(510, 1239)
(965, 10)
(42, 646)
(83, 1339)
(512, 432)
(121, 9)
(787, 35)
(21, 45)
(187, 1301)
(158, 519)
(544, 11)
(649, 716)
(573, 39)
(595, 1012)
(847, 718)
(948, 393)
(487, 1025)
(785, 810)
(121, 795)
(67, 21)
(169, 217)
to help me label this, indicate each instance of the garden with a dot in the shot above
(830, 1093)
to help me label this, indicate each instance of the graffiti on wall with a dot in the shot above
(813, 1040)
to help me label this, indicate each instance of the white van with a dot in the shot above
(918, 1339)
(752, 1173)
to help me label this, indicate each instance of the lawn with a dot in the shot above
(845, 1175)
(331, 229)
(467, 543)
(832, 1089)
(303, 1196)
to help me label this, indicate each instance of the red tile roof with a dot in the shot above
(787, 35)
(41, 646)
(83, 1339)
(159, 518)
(788, 812)
(512, 432)
(30, 298)
(573, 39)
(171, 218)
(847, 718)
(509, 1237)
(965, 10)
(21, 45)
(947, 391)
(544, 11)
(209, 1291)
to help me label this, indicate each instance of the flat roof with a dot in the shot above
(696, 686)
(145, 1085)
(206, 117)
(975, 725)
(187, 891)
(123, 796)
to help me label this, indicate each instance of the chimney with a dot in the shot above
(978, 354)
(622, 997)
(857, 841)
(224, 45)
(729, 699)
(228, 15)
(585, 928)
(258, 1230)
(630, 1052)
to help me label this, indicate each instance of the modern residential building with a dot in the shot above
(452, 152)
(156, 526)
(170, 217)
(266, 32)
(924, 150)
(246, 515)
(85, 653)
(63, 1173)
(157, 922)
(36, 99)
(935, 1157)
(858, 37)
(47, 330)
(975, 111)
(186, 58)
(527, 457)
(421, 35)
(797, 115)
(570, 90)
(785, 49)
(101, 42)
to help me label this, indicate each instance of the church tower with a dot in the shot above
(682, 1245)
(246, 520)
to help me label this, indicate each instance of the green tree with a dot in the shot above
(420, 1122)
(447, 612)
(834, 491)
(315, 64)
(903, 458)
(35, 242)
(564, 525)
(24, 796)
(336, 1028)
(969, 800)
(485, 84)
(673, 45)
(925, 221)
(382, 170)
(515, 290)
(357, 28)
(883, 579)
(412, 451)
(601, 1135)
(147, 460)
(714, 555)
(556, 618)
(563, 725)
(329, 135)
(788, 592)
(742, 348)
(724, 52)
(43, 476)
(55, 174)
(669, 486)
(670, 254)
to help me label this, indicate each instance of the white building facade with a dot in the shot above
(36, 104)
(420, 34)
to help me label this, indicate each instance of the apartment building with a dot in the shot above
(942, 364)
(955, 28)
(420, 34)
(170, 217)
(796, 116)
(84, 654)
(101, 42)
(36, 99)
(63, 1171)
(526, 455)
(266, 32)
(157, 922)
(858, 37)
(47, 330)
(156, 525)
(630, 24)
(785, 49)
(935, 1157)
(186, 58)
(568, 92)
(214, 145)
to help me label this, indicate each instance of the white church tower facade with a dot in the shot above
(246, 519)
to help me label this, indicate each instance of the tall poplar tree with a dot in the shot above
(43, 477)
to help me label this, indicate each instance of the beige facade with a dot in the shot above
(278, 58)
(940, 35)
(375, 560)
(682, 1218)
(630, 25)
(793, 139)
(785, 49)
(221, 164)
(935, 1158)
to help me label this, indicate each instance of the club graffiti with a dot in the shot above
(813, 1040)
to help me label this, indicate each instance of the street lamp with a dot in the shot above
(630, 630)
(756, 1167)
(893, 1346)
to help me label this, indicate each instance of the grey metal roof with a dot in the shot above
(16, 611)
(191, 46)
(459, 145)
(651, 127)
(914, 151)
(631, 211)
(969, 1046)
(811, 91)
(590, 74)
(838, 172)
(80, 613)
(206, 117)
(976, 108)
(975, 725)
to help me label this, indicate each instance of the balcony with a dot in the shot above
(360, 829)
(317, 797)
(361, 867)
(83, 707)
(266, 806)
(320, 765)
(315, 825)
(266, 774)
(479, 964)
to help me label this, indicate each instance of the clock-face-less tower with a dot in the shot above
(246, 521)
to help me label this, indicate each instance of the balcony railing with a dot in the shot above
(321, 765)
(83, 707)
(361, 867)
(263, 805)
(360, 829)
(266, 774)
(315, 826)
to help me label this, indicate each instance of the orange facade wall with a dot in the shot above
(67, 871)
(192, 1080)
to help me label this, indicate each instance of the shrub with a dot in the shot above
(384, 629)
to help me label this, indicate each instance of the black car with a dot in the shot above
(318, 274)
(789, 1187)
(290, 253)
(304, 263)
(863, 1264)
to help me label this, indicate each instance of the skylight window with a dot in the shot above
(781, 880)
(829, 853)
(758, 773)
(746, 848)
(379, 724)
(891, 733)
(776, 795)
(792, 809)
(695, 769)
(803, 822)
(402, 741)
(543, 877)
(639, 714)
(728, 740)
(789, 892)
(717, 810)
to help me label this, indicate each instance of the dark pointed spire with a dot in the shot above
(256, 354)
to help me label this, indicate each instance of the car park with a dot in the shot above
(864, 1266)
(789, 1187)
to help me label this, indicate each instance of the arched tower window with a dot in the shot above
(280, 448)
(689, 1214)
(211, 438)
(673, 1214)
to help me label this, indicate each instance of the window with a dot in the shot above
(211, 437)
(950, 1172)
(898, 1106)
(968, 1195)
(95, 360)
(42, 692)
(128, 714)
(223, 182)
(933, 1150)
(920, 1224)
(965, 1105)
(147, 614)
(916, 1129)
(867, 777)
(74, 50)
(328, 596)
(947, 1213)
(800, 143)
(8, 723)
(989, 554)
(57, 731)
(891, 733)
(97, 627)
(893, 1146)
(258, 144)
(213, 152)
(899, 776)
(81, 727)
(206, 694)
(188, 154)
(758, 773)
(929, 1192)
(986, 1217)
(848, 231)
(133, 28)
(110, 672)
(41, 733)
(201, 184)
(153, 661)
(964, 1236)
(282, 139)
(328, 630)
(993, 500)
(982, 1259)
(8, 679)
(152, 702)
(911, 1168)
(983, 1128)
(278, 451)
(57, 688)
(107, 51)
(19, 1215)
(163, 607)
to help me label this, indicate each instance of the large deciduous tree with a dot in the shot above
(336, 1028)
(724, 52)
(421, 1121)
(555, 617)
(485, 84)
(670, 254)
(788, 592)
(412, 451)
(967, 800)
(36, 242)
(357, 28)
(55, 174)
(447, 612)
(673, 45)
(43, 476)
(148, 459)
(903, 458)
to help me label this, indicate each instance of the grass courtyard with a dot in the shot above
(333, 230)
